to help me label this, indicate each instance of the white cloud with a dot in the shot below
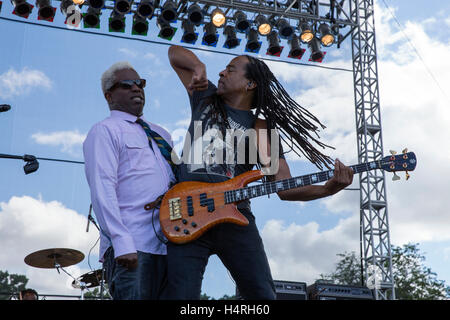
(302, 252)
(28, 225)
(69, 141)
(14, 83)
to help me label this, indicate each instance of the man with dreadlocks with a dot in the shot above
(247, 89)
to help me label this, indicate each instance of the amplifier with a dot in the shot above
(286, 290)
(289, 290)
(328, 291)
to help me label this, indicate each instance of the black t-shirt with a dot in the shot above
(208, 156)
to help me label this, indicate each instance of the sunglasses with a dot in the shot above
(128, 84)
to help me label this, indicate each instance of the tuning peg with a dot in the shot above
(393, 152)
(405, 150)
(395, 177)
(407, 175)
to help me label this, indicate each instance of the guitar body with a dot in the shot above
(191, 208)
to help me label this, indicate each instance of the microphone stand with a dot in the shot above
(91, 219)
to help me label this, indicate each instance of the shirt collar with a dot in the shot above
(125, 116)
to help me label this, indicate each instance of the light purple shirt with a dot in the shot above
(124, 174)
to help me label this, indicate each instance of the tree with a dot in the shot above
(348, 271)
(204, 296)
(95, 294)
(413, 280)
(11, 284)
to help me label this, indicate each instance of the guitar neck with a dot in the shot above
(291, 183)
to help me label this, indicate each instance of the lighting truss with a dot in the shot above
(287, 17)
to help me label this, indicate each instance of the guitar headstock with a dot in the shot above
(406, 161)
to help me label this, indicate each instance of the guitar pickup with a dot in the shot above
(190, 207)
(174, 209)
(210, 203)
(203, 200)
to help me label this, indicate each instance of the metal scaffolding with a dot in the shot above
(376, 256)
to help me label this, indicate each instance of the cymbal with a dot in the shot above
(52, 258)
(90, 279)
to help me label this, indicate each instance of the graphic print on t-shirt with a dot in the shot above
(210, 152)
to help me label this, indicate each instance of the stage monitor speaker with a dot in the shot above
(328, 291)
(286, 290)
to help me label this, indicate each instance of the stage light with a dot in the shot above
(140, 25)
(122, 6)
(145, 8)
(263, 25)
(189, 34)
(296, 51)
(326, 37)
(166, 30)
(169, 11)
(71, 12)
(231, 40)
(210, 36)
(116, 22)
(240, 21)
(96, 4)
(22, 8)
(218, 18)
(253, 45)
(274, 43)
(92, 18)
(79, 2)
(316, 53)
(46, 11)
(306, 32)
(195, 14)
(285, 29)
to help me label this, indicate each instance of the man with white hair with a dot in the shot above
(126, 169)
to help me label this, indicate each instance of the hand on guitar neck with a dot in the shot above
(342, 178)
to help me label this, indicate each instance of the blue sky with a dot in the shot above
(51, 78)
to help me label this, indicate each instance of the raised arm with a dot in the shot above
(190, 70)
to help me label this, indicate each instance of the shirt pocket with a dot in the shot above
(140, 155)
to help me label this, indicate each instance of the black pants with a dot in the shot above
(147, 282)
(240, 249)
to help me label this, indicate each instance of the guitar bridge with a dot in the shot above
(174, 209)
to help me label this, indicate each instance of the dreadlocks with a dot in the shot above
(298, 127)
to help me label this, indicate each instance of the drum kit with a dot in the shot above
(59, 258)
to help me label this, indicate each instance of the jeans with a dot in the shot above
(146, 282)
(241, 250)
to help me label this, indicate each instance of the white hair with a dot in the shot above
(109, 76)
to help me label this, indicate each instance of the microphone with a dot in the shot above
(4, 107)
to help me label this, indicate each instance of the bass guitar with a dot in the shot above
(190, 208)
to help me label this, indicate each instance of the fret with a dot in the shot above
(291, 183)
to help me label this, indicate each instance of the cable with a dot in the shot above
(161, 239)
(168, 44)
(415, 50)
